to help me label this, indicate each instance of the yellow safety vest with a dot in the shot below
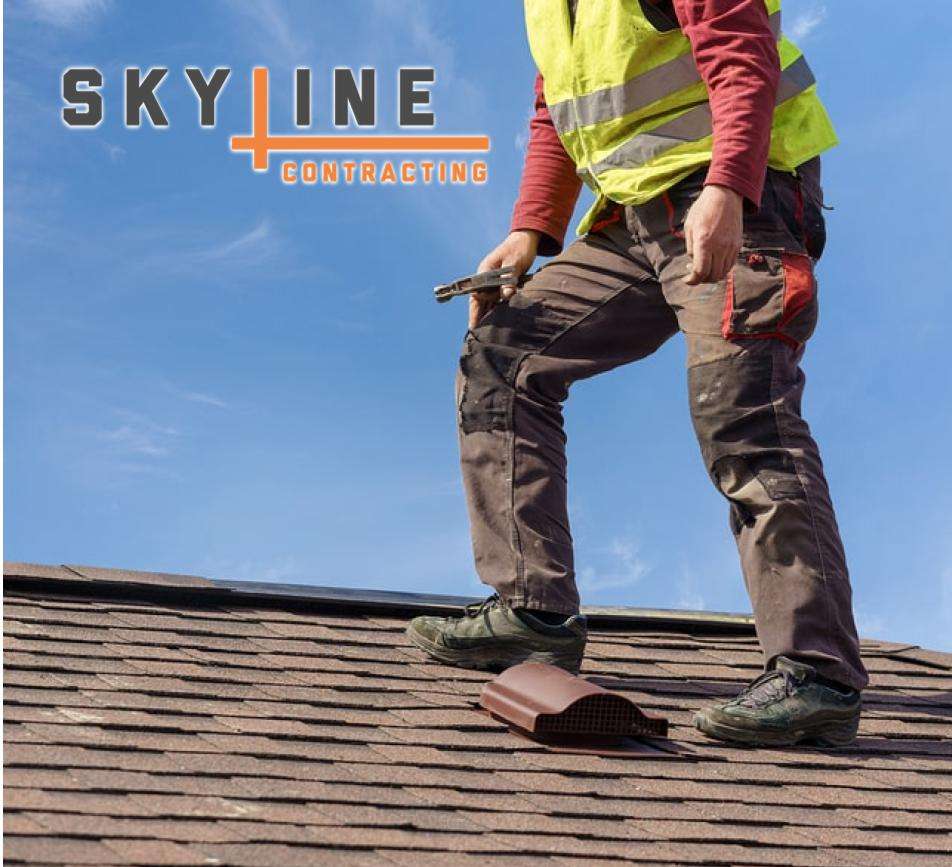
(631, 109)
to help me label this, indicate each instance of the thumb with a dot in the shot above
(692, 277)
(519, 267)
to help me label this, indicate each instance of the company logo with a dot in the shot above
(342, 157)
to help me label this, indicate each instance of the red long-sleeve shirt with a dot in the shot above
(736, 55)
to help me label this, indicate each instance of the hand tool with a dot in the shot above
(487, 281)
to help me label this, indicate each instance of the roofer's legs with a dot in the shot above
(595, 307)
(600, 305)
(745, 405)
(745, 339)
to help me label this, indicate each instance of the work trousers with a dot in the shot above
(612, 297)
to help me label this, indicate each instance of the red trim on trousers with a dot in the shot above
(798, 291)
(613, 217)
(669, 207)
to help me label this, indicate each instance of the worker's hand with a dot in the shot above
(714, 231)
(518, 250)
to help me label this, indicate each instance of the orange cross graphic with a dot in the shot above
(261, 143)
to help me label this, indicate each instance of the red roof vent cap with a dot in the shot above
(550, 703)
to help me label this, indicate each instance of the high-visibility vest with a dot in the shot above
(631, 108)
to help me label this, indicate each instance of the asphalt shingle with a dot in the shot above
(150, 727)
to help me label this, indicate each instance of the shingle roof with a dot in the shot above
(154, 719)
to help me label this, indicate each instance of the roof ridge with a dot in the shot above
(110, 583)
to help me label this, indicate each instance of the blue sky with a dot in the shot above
(209, 372)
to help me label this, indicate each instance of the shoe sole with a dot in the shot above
(833, 733)
(495, 658)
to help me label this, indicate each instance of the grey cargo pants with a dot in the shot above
(615, 296)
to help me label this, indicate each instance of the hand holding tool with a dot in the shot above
(487, 281)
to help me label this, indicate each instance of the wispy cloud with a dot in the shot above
(280, 568)
(626, 568)
(870, 625)
(690, 597)
(521, 140)
(259, 242)
(136, 435)
(414, 26)
(268, 27)
(946, 595)
(209, 253)
(65, 13)
(115, 152)
(806, 22)
(193, 395)
(200, 397)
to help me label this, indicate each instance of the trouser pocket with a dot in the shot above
(770, 294)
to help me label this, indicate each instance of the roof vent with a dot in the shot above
(552, 705)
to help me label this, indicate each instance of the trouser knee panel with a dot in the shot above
(492, 355)
(735, 416)
(487, 373)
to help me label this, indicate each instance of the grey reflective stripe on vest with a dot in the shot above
(796, 78)
(634, 95)
(693, 125)
(639, 92)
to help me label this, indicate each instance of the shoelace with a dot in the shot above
(474, 609)
(769, 687)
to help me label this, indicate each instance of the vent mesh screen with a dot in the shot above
(598, 715)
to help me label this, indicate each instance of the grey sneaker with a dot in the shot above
(784, 707)
(490, 635)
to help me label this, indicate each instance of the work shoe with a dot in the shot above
(491, 635)
(784, 707)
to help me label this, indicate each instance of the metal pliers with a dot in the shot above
(487, 281)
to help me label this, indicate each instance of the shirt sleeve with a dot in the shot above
(736, 54)
(550, 186)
